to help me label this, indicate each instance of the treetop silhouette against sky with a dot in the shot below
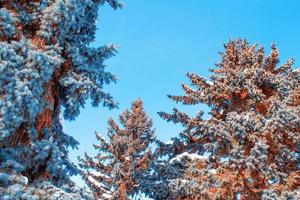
(160, 41)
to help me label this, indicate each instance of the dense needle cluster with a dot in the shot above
(46, 64)
(118, 169)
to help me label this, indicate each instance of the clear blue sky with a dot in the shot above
(161, 40)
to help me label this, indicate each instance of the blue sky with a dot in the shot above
(161, 40)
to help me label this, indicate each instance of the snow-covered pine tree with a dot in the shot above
(46, 63)
(249, 146)
(122, 162)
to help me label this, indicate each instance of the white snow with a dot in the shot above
(169, 142)
(209, 82)
(192, 156)
(92, 180)
(221, 111)
(183, 181)
(213, 171)
(127, 158)
(108, 196)
(99, 174)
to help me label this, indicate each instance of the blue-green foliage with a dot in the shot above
(23, 71)
(88, 76)
(51, 34)
(50, 152)
(75, 28)
(7, 21)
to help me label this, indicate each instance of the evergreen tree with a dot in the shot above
(46, 63)
(249, 146)
(121, 163)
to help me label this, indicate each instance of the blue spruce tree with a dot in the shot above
(46, 64)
